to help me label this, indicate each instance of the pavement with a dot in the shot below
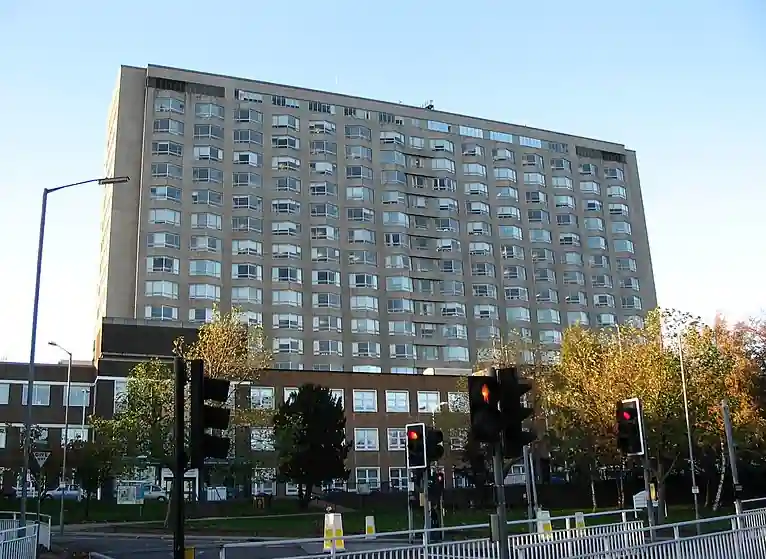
(134, 546)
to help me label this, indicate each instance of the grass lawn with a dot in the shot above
(386, 520)
(101, 511)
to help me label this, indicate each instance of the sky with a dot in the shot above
(683, 83)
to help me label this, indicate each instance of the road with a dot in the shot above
(119, 546)
(138, 546)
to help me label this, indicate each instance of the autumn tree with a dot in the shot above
(144, 419)
(310, 440)
(600, 367)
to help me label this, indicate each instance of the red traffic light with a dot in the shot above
(627, 416)
(485, 392)
(412, 435)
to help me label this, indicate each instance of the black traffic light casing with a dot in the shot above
(484, 407)
(514, 412)
(630, 427)
(202, 444)
(436, 486)
(434, 444)
(416, 446)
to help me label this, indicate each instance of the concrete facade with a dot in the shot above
(364, 235)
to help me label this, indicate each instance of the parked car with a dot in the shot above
(155, 493)
(66, 492)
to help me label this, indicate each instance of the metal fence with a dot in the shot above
(731, 537)
(19, 543)
(10, 520)
(396, 545)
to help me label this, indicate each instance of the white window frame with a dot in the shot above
(363, 393)
(424, 406)
(375, 483)
(397, 436)
(403, 481)
(395, 394)
(366, 439)
(264, 390)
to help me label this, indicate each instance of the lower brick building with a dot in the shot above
(378, 405)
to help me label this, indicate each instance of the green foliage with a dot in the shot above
(144, 418)
(310, 439)
(143, 423)
(93, 462)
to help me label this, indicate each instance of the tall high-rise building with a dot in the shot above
(364, 235)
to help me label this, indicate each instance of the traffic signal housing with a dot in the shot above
(436, 486)
(630, 428)
(204, 417)
(434, 444)
(514, 412)
(416, 446)
(484, 407)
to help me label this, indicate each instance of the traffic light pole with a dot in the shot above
(179, 370)
(426, 506)
(502, 521)
(647, 474)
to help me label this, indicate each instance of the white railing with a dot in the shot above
(730, 543)
(9, 519)
(395, 545)
(738, 537)
(19, 543)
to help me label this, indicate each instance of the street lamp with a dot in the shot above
(66, 430)
(33, 337)
(695, 489)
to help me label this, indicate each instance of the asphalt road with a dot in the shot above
(133, 547)
(119, 546)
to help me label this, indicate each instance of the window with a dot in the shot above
(397, 438)
(398, 479)
(160, 312)
(366, 439)
(5, 392)
(368, 476)
(264, 481)
(262, 439)
(328, 347)
(428, 402)
(365, 401)
(261, 398)
(458, 402)
(41, 395)
(397, 401)
(79, 396)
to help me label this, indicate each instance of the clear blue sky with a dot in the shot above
(682, 82)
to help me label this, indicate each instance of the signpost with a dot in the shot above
(41, 457)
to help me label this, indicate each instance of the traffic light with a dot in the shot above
(484, 406)
(434, 444)
(416, 446)
(630, 428)
(436, 486)
(203, 444)
(514, 412)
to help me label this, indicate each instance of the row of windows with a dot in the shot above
(362, 193)
(365, 194)
(79, 396)
(514, 315)
(366, 439)
(43, 436)
(363, 172)
(247, 114)
(164, 216)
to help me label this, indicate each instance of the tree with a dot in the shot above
(310, 440)
(598, 368)
(93, 463)
(143, 424)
